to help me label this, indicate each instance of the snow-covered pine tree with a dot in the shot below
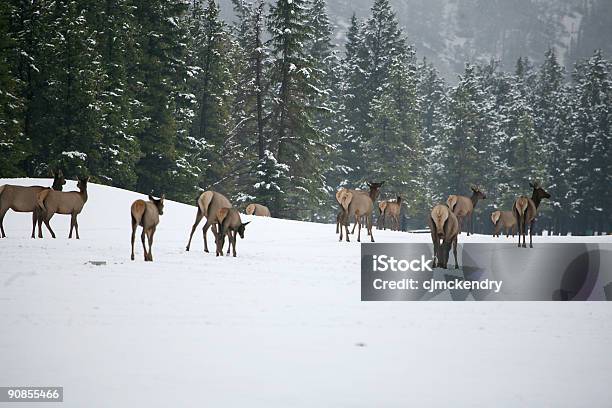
(591, 151)
(293, 171)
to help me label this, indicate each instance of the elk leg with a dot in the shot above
(369, 226)
(338, 221)
(199, 216)
(229, 243)
(355, 225)
(47, 219)
(455, 252)
(531, 233)
(71, 225)
(144, 247)
(341, 228)
(39, 220)
(34, 219)
(233, 244)
(346, 218)
(76, 225)
(150, 236)
(134, 225)
(2, 214)
(358, 221)
(204, 230)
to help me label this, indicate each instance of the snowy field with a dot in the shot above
(281, 325)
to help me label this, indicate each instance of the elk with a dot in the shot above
(503, 220)
(444, 228)
(258, 209)
(231, 225)
(392, 209)
(359, 204)
(463, 207)
(52, 202)
(374, 191)
(209, 203)
(23, 199)
(525, 211)
(146, 214)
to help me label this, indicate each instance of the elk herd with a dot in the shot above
(445, 221)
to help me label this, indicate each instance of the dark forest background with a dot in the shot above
(165, 97)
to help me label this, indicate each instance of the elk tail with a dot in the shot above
(41, 197)
(250, 210)
(521, 205)
(381, 206)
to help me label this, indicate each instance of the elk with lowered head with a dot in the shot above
(71, 203)
(24, 199)
(463, 207)
(390, 209)
(525, 211)
(444, 229)
(341, 194)
(146, 214)
(503, 220)
(231, 225)
(209, 203)
(258, 209)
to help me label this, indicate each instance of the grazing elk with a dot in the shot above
(391, 209)
(23, 199)
(373, 193)
(231, 225)
(503, 220)
(71, 203)
(525, 211)
(463, 207)
(358, 204)
(209, 203)
(444, 228)
(258, 209)
(146, 214)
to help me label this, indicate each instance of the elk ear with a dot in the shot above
(162, 198)
(151, 198)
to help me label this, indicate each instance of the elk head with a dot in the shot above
(58, 180)
(82, 183)
(478, 193)
(374, 189)
(241, 229)
(538, 192)
(159, 203)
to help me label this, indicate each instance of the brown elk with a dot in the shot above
(444, 228)
(463, 207)
(23, 199)
(71, 203)
(209, 203)
(373, 193)
(391, 209)
(358, 204)
(258, 209)
(146, 214)
(231, 225)
(504, 220)
(525, 211)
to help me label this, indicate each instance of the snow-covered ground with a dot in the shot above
(281, 325)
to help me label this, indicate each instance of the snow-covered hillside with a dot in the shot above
(280, 325)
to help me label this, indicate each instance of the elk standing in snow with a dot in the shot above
(503, 220)
(444, 229)
(391, 209)
(463, 207)
(146, 214)
(231, 225)
(24, 199)
(525, 211)
(258, 209)
(209, 203)
(71, 203)
(374, 191)
(358, 204)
